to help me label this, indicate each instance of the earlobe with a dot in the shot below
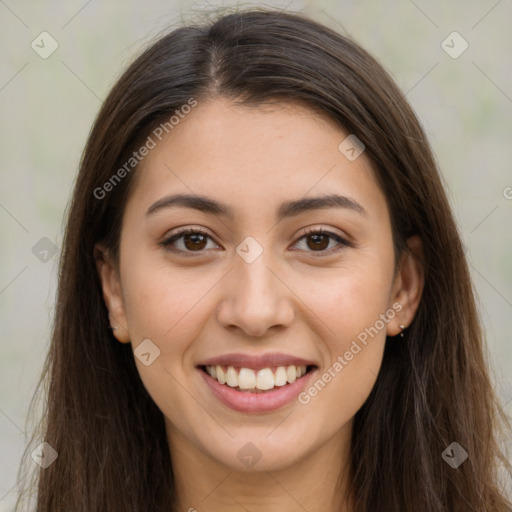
(408, 286)
(112, 294)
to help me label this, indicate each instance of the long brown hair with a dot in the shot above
(433, 389)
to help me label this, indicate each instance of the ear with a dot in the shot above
(408, 286)
(112, 293)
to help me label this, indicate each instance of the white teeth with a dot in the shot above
(291, 374)
(264, 379)
(231, 377)
(246, 379)
(280, 376)
(221, 376)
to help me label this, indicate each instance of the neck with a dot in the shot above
(317, 481)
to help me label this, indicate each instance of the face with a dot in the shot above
(266, 288)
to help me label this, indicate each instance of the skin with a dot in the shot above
(293, 298)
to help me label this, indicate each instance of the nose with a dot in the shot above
(255, 298)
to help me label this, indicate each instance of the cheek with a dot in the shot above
(348, 299)
(354, 343)
(351, 303)
(160, 299)
(168, 308)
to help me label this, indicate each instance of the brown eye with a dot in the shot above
(319, 240)
(194, 242)
(187, 241)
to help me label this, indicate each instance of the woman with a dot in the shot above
(264, 302)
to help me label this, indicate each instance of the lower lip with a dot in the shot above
(243, 401)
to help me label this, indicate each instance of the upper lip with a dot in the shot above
(256, 362)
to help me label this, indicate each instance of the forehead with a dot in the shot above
(254, 158)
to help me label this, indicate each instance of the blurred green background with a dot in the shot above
(47, 106)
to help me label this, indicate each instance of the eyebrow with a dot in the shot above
(285, 210)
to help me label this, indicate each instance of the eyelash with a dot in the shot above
(311, 231)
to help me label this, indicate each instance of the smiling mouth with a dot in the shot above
(257, 381)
